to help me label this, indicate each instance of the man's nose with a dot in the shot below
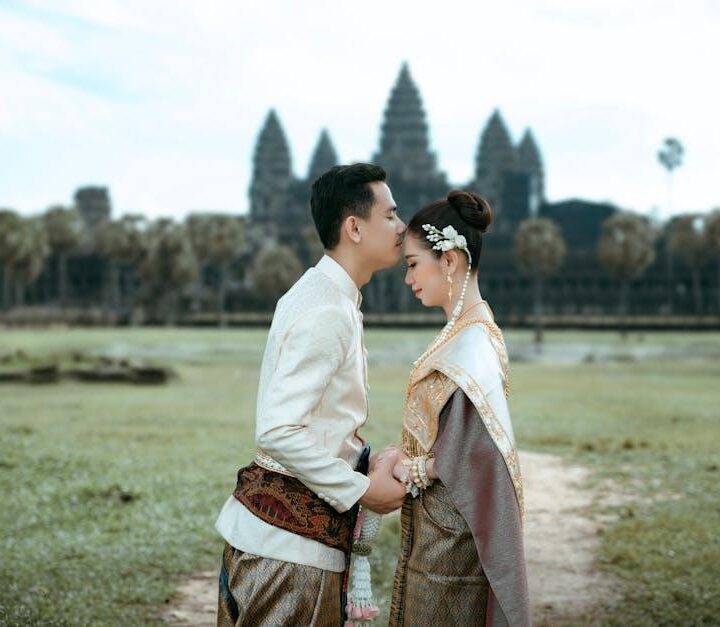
(402, 227)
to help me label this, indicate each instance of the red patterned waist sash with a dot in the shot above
(286, 502)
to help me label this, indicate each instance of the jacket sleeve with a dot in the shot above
(312, 352)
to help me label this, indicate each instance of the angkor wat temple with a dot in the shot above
(510, 174)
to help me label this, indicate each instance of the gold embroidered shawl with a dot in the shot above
(475, 360)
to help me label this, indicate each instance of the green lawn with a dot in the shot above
(110, 491)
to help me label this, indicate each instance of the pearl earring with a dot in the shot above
(450, 286)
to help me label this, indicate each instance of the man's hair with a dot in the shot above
(340, 192)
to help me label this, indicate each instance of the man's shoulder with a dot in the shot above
(313, 293)
(312, 289)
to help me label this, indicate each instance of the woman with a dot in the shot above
(461, 560)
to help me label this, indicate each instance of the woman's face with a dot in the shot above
(425, 273)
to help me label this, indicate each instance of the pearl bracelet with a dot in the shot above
(416, 478)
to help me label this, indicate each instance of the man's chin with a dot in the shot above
(397, 255)
(384, 264)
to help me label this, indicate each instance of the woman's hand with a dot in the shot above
(389, 451)
(400, 470)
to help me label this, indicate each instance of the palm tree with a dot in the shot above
(197, 225)
(539, 250)
(226, 242)
(169, 265)
(712, 229)
(688, 240)
(670, 157)
(9, 228)
(31, 248)
(276, 268)
(626, 248)
(122, 241)
(64, 228)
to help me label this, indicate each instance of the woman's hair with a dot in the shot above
(469, 213)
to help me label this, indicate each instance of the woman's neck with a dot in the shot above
(472, 296)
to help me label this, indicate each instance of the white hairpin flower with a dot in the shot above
(447, 239)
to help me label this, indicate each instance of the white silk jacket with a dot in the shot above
(312, 399)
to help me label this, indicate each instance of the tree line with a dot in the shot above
(166, 260)
(626, 248)
(163, 260)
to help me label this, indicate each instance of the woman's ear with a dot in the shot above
(351, 228)
(450, 261)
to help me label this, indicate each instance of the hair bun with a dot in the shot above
(472, 208)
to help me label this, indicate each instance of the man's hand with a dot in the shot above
(385, 493)
(390, 449)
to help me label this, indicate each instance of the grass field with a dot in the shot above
(110, 491)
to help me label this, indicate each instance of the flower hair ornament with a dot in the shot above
(448, 239)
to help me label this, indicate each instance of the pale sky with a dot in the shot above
(162, 100)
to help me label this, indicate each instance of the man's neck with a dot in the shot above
(359, 274)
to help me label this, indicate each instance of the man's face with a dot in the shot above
(382, 233)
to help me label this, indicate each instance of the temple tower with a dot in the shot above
(529, 162)
(324, 157)
(95, 207)
(272, 172)
(404, 139)
(495, 158)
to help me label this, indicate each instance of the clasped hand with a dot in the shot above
(386, 492)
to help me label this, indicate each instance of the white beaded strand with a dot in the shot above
(445, 240)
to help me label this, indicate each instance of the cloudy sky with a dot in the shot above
(162, 100)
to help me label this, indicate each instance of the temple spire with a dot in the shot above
(324, 156)
(404, 138)
(495, 158)
(272, 153)
(529, 161)
(272, 171)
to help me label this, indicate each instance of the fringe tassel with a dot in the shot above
(410, 446)
(361, 608)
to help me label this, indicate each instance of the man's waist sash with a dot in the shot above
(272, 494)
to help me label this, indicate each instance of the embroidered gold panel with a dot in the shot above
(423, 404)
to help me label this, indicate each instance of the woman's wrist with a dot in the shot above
(430, 469)
(413, 472)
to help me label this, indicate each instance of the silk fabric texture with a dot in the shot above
(312, 399)
(470, 520)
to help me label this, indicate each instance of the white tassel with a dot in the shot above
(361, 607)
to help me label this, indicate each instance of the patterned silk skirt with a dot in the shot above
(439, 579)
(261, 591)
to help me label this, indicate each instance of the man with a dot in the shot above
(288, 525)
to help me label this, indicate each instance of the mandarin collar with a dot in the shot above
(339, 276)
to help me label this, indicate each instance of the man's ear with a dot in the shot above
(351, 227)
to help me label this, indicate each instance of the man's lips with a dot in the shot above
(417, 292)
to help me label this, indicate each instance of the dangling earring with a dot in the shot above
(450, 284)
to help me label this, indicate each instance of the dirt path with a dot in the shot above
(561, 540)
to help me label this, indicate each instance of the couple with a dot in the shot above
(289, 524)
